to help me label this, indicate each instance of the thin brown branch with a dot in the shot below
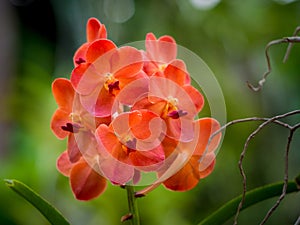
(267, 121)
(243, 153)
(251, 119)
(298, 221)
(296, 126)
(286, 178)
(288, 50)
(269, 67)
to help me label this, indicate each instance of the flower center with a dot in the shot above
(170, 106)
(175, 114)
(162, 67)
(171, 110)
(111, 84)
(129, 146)
(75, 117)
(173, 101)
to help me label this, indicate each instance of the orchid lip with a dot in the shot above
(113, 86)
(131, 143)
(72, 128)
(175, 114)
(80, 60)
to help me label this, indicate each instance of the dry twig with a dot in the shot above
(267, 121)
(290, 40)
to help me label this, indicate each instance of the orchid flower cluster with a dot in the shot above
(128, 112)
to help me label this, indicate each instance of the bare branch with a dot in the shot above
(266, 122)
(286, 178)
(251, 119)
(269, 67)
(286, 56)
(298, 221)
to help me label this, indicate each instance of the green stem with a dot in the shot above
(254, 196)
(132, 204)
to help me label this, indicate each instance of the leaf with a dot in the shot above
(49, 212)
(252, 197)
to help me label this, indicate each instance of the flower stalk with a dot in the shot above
(133, 215)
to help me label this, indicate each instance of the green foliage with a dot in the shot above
(50, 213)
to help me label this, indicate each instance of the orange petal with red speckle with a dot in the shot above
(80, 55)
(60, 118)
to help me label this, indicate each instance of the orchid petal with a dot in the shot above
(172, 89)
(186, 178)
(99, 103)
(195, 96)
(134, 91)
(80, 54)
(180, 129)
(95, 30)
(99, 48)
(207, 126)
(85, 78)
(113, 161)
(148, 160)
(176, 71)
(151, 103)
(73, 149)
(163, 50)
(63, 93)
(86, 183)
(145, 125)
(207, 164)
(116, 171)
(60, 118)
(126, 62)
(171, 166)
(63, 164)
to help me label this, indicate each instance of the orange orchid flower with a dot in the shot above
(188, 162)
(177, 105)
(159, 53)
(63, 93)
(131, 142)
(94, 31)
(127, 112)
(62, 123)
(98, 83)
(202, 160)
(72, 121)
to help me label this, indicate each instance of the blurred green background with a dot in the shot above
(38, 39)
